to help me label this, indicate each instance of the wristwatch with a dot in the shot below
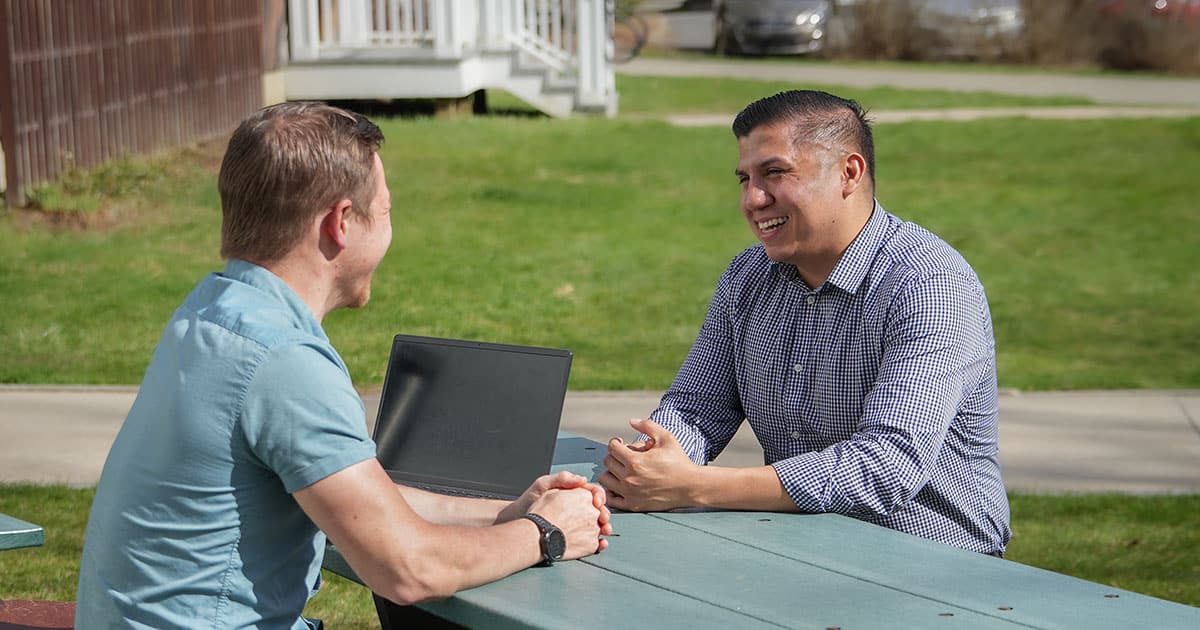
(552, 541)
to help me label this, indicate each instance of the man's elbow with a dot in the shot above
(417, 582)
(410, 592)
(878, 500)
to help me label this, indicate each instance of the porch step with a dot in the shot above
(539, 85)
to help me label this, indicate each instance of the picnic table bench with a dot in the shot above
(26, 613)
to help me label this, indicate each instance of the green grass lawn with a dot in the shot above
(607, 237)
(1148, 545)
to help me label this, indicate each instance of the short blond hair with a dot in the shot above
(286, 163)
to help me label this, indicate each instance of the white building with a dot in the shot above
(554, 54)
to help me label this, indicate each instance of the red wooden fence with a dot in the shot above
(85, 81)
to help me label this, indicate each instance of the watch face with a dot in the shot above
(556, 544)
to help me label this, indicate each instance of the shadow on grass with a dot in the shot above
(475, 105)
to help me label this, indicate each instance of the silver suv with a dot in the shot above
(940, 28)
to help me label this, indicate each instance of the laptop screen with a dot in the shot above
(470, 415)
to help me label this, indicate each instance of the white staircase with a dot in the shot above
(553, 54)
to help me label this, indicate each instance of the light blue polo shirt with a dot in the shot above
(194, 524)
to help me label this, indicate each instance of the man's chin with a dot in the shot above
(775, 253)
(359, 300)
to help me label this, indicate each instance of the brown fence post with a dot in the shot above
(8, 124)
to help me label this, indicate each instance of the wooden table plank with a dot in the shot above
(578, 455)
(15, 533)
(571, 595)
(767, 586)
(988, 586)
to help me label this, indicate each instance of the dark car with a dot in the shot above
(770, 27)
(944, 28)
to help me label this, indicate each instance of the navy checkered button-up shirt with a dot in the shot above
(872, 396)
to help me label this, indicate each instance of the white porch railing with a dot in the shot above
(570, 37)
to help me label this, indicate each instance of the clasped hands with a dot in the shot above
(573, 505)
(649, 475)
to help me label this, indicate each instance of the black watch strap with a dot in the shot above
(551, 540)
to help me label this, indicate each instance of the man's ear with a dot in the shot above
(854, 173)
(335, 224)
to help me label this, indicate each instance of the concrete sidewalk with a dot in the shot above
(1125, 441)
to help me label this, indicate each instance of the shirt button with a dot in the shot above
(795, 435)
(798, 368)
(810, 299)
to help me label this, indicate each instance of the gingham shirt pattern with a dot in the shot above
(872, 396)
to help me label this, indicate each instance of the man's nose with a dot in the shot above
(755, 197)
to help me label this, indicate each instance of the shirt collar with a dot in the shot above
(852, 267)
(262, 279)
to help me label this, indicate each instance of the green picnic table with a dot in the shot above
(15, 533)
(707, 569)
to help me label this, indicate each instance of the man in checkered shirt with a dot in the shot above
(858, 346)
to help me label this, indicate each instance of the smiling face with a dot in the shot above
(794, 198)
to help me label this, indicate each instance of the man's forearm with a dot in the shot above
(448, 510)
(757, 488)
(402, 556)
(440, 560)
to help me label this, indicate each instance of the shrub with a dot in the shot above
(1114, 34)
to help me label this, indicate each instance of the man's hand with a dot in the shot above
(575, 513)
(547, 485)
(648, 476)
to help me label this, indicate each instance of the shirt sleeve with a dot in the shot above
(302, 417)
(937, 347)
(702, 408)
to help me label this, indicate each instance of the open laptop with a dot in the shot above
(470, 418)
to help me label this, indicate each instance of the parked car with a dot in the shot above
(952, 28)
(770, 27)
(969, 28)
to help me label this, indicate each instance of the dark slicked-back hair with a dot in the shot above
(815, 117)
(284, 165)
